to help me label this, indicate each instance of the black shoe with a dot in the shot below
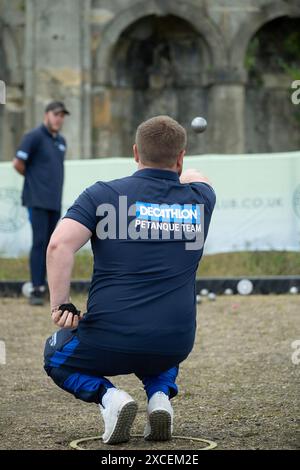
(37, 297)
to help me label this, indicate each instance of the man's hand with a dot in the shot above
(66, 319)
(19, 166)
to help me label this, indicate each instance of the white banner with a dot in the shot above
(258, 200)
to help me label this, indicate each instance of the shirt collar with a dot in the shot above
(157, 173)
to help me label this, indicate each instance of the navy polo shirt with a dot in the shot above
(44, 157)
(142, 293)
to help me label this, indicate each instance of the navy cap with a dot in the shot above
(57, 107)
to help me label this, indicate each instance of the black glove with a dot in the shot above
(70, 307)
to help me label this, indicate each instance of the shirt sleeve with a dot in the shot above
(205, 191)
(83, 211)
(26, 147)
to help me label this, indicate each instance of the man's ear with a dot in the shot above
(179, 164)
(136, 154)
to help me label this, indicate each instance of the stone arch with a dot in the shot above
(196, 16)
(158, 64)
(272, 60)
(154, 47)
(253, 24)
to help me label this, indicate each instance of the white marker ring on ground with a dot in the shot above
(211, 444)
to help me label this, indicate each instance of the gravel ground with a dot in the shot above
(239, 387)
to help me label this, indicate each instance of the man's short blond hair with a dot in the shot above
(159, 141)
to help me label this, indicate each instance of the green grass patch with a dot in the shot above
(256, 263)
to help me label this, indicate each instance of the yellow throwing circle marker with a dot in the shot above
(211, 444)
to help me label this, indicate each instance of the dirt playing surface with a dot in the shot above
(239, 387)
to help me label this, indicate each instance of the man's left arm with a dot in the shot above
(66, 239)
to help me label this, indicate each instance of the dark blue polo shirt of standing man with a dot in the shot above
(42, 152)
(44, 156)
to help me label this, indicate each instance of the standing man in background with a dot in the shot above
(40, 159)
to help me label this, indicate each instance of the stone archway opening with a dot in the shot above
(273, 63)
(159, 65)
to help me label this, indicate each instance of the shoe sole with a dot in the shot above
(121, 432)
(160, 423)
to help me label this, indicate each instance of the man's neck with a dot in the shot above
(54, 133)
(144, 167)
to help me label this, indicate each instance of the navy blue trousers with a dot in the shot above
(81, 369)
(43, 223)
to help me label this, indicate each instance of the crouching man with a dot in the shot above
(141, 310)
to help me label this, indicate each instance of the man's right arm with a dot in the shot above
(206, 190)
(193, 176)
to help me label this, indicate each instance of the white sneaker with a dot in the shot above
(118, 410)
(159, 425)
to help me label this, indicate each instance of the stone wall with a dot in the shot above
(117, 62)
